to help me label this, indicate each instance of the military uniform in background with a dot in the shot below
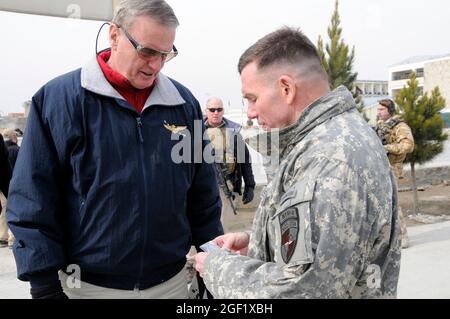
(327, 225)
(231, 151)
(398, 141)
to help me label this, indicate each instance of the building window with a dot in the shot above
(406, 75)
(419, 73)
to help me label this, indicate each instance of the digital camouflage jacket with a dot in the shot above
(327, 225)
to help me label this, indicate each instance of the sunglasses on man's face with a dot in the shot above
(214, 110)
(149, 53)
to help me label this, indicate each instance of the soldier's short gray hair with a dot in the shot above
(285, 45)
(160, 10)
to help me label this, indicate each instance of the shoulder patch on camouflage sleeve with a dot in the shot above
(289, 228)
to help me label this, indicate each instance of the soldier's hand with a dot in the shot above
(248, 195)
(236, 242)
(200, 262)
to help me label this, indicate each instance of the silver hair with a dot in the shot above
(160, 10)
(214, 98)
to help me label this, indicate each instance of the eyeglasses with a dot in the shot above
(213, 110)
(148, 53)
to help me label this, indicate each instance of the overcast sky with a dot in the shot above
(213, 34)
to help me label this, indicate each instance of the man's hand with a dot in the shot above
(248, 195)
(236, 242)
(200, 262)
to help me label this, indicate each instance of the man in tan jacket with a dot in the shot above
(398, 141)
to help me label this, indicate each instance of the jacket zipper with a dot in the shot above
(144, 199)
(139, 128)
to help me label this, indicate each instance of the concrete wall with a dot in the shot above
(438, 74)
(430, 176)
(13, 123)
(395, 86)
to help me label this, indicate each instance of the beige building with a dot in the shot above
(369, 89)
(431, 71)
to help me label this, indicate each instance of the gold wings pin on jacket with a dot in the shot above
(175, 129)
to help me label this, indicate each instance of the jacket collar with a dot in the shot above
(225, 123)
(323, 109)
(164, 93)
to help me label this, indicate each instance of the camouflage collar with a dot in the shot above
(323, 109)
(282, 141)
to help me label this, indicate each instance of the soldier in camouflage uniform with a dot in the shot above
(327, 225)
(398, 141)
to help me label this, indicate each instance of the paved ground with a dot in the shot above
(10, 286)
(425, 269)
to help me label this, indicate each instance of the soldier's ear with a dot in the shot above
(287, 87)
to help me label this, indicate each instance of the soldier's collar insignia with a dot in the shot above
(175, 129)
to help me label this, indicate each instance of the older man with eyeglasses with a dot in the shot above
(96, 195)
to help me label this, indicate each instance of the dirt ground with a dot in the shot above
(434, 204)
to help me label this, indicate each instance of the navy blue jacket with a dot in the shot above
(95, 184)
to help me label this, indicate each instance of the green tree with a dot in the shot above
(337, 59)
(422, 115)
